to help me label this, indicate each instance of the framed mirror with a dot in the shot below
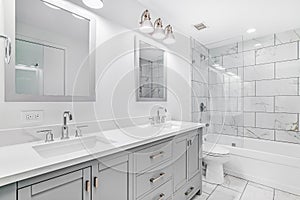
(52, 58)
(151, 72)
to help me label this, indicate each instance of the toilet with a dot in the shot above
(215, 156)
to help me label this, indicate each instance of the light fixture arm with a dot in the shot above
(145, 16)
(158, 23)
(169, 29)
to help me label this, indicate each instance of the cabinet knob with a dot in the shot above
(96, 182)
(161, 196)
(87, 186)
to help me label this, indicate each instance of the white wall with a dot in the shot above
(115, 89)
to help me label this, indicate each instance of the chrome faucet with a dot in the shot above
(159, 118)
(65, 128)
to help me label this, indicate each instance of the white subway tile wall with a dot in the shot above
(200, 79)
(277, 87)
(258, 93)
(259, 133)
(259, 104)
(259, 72)
(287, 69)
(258, 43)
(284, 52)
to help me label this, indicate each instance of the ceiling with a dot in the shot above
(229, 18)
(226, 19)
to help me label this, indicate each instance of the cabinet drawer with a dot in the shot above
(150, 180)
(190, 189)
(164, 192)
(152, 156)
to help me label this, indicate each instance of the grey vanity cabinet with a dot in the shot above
(166, 169)
(194, 155)
(187, 154)
(110, 179)
(75, 185)
(180, 161)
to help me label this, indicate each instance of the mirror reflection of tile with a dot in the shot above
(151, 72)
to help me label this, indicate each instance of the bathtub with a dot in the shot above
(270, 163)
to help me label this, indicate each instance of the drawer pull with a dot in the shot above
(187, 193)
(157, 155)
(153, 180)
(96, 182)
(161, 196)
(87, 186)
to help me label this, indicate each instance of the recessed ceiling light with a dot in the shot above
(258, 45)
(51, 6)
(231, 74)
(251, 30)
(95, 4)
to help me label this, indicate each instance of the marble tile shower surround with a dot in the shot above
(200, 77)
(262, 99)
(29, 134)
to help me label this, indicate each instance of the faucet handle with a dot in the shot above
(49, 135)
(152, 120)
(163, 119)
(78, 130)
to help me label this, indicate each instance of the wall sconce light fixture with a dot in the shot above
(170, 38)
(146, 25)
(157, 31)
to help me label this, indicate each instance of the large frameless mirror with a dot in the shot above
(53, 53)
(151, 77)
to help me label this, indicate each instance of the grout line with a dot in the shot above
(288, 192)
(273, 193)
(244, 190)
(212, 192)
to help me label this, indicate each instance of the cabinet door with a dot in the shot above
(72, 186)
(180, 162)
(8, 192)
(193, 155)
(111, 183)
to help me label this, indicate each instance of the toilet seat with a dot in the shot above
(214, 150)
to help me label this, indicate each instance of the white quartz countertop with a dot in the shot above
(22, 161)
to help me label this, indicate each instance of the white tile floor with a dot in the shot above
(239, 189)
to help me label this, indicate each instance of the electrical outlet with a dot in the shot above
(32, 116)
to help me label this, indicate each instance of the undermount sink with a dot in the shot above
(167, 125)
(63, 147)
(148, 131)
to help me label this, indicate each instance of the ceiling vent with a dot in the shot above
(200, 26)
